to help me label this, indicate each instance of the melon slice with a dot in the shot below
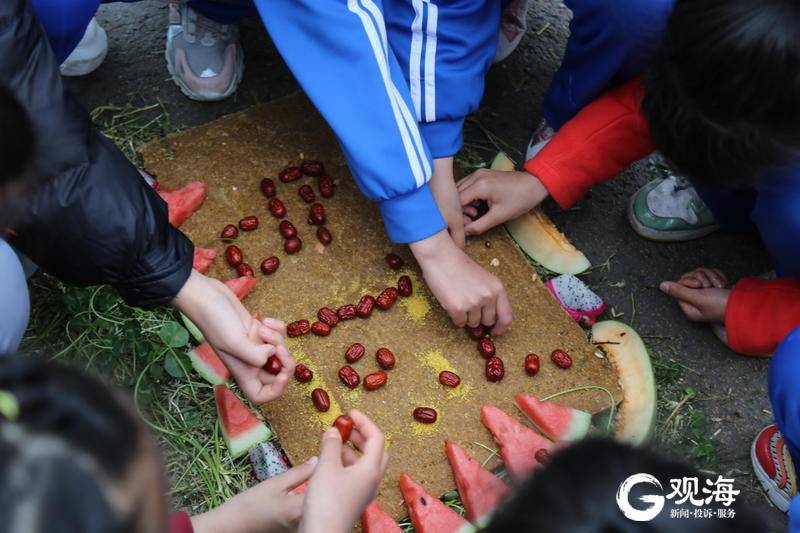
(480, 490)
(300, 489)
(203, 257)
(242, 286)
(207, 363)
(183, 201)
(194, 331)
(240, 428)
(635, 420)
(558, 422)
(539, 238)
(429, 514)
(375, 520)
(518, 443)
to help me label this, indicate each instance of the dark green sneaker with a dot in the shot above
(669, 210)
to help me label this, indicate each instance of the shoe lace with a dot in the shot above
(210, 30)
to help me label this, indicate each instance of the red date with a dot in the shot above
(476, 333)
(326, 186)
(542, 456)
(270, 265)
(303, 374)
(320, 329)
(298, 328)
(233, 255)
(365, 305)
(248, 223)
(354, 352)
(561, 359)
(376, 380)
(243, 269)
(312, 168)
(449, 379)
(404, 287)
(346, 312)
(307, 194)
(328, 316)
(486, 347)
(316, 215)
(268, 187)
(385, 358)
(274, 365)
(531, 364)
(495, 370)
(345, 426)
(290, 174)
(349, 376)
(287, 229)
(277, 208)
(425, 415)
(394, 261)
(321, 400)
(229, 232)
(292, 245)
(387, 298)
(324, 235)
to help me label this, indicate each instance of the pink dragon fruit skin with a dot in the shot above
(577, 299)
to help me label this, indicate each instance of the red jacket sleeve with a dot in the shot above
(179, 522)
(601, 141)
(760, 313)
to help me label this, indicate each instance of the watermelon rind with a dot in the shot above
(242, 442)
(636, 415)
(206, 370)
(194, 331)
(538, 410)
(429, 514)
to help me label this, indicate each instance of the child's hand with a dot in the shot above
(344, 482)
(443, 187)
(700, 294)
(469, 294)
(266, 507)
(508, 194)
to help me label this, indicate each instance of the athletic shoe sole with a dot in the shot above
(773, 493)
(199, 97)
(665, 236)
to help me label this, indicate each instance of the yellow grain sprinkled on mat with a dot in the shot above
(463, 391)
(436, 361)
(325, 420)
(352, 395)
(417, 305)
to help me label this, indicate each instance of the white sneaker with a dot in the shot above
(89, 54)
(539, 140)
(513, 25)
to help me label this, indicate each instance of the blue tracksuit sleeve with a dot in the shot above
(339, 52)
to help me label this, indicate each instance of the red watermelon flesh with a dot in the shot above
(242, 286)
(480, 490)
(557, 421)
(203, 257)
(240, 428)
(208, 364)
(300, 489)
(375, 520)
(183, 201)
(518, 443)
(429, 514)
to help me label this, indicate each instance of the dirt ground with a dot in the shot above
(733, 389)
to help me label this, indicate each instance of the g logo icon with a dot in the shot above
(656, 501)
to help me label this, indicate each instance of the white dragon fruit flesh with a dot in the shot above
(577, 299)
(267, 461)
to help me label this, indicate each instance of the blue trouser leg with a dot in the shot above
(610, 40)
(784, 393)
(15, 307)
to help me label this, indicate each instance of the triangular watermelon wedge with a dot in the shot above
(375, 520)
(518, 443)
(240, 428)
(480, 490)
(429, 514)
(300, 489)
(207, 363)
(183, 201)
(203, 257)
(559, 422)
(242, 286)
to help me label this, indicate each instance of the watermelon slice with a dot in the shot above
(240, 428)
(429, 514)
(208, 364)
(242, 286)
(518, 443)
(557, 421)
(480, 490)
(194, 331)
(375, 520)
(183, 201)
(300, 489)
(203, 257)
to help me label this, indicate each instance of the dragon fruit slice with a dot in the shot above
(267, 461)
(577, 299)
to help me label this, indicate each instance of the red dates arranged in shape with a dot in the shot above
(292, 245)
(307, 194)
(243, 269)
(365, 305)
(324, 235)
(316, 215)
(229, 232)
(298, 328)
(345, 426)
(277, 208)
(321, 400)
(290, 174)
(248, 223)
(233, 255)
(561, 359)
(274, 365)
(486, 347)
(303, 374)
(387, 298)
(394, 261)
(287, 229)
(328, 316)
(404, 287)
(312, 168)
(376, 380)
(531, 364)
(449, 379)
(268, 187)
(354, 352)
(425, 415)
(347, 312)
(385, 358)
(326, 186)
(270, 265)
(495, 370)
(349, 376)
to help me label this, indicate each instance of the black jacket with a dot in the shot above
(93, 219)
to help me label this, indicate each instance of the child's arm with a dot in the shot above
(760, 313)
